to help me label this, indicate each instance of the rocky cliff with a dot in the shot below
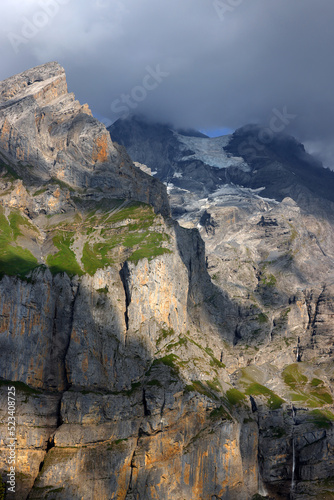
(143, 367)
(46, 134)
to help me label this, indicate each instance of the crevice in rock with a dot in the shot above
(51, 443)
(125, 278)
(66, 377)
(260, 459)
(312, 317)
(51, 440)
(317, 305)
(147, 412)
(253, 404)
(49, 446)
(75, 296)
(163, 405)
(129, 492)
(313, 237)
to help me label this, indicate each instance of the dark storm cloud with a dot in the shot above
(196, 63)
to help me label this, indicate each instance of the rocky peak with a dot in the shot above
(32, 82)
(45, 133)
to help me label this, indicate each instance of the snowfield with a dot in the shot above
(210, 151)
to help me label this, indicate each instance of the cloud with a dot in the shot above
(229, 62)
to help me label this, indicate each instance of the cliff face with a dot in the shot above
(44, 127)
(115, 401)
(138, 376)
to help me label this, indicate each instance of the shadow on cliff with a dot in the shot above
(59, 334)
(208, 305)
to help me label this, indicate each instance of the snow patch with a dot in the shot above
(235, 190)
(210, 151)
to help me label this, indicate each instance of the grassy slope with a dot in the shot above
(14, 260)
(111, 232)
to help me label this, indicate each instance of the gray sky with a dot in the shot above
(207, 64)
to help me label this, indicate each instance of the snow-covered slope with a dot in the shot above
(210, 151)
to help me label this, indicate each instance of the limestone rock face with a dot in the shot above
(152, 360)
(42, 125)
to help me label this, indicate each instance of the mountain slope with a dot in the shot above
(108, 337)
(269, 237)
(143, 367)
(280, 167)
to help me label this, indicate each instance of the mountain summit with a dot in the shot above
(44, 127)
(279, 167)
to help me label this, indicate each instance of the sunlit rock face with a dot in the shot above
(151, 360)
(47, 134)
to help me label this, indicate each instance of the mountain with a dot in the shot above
(46, 134)
(197, 167)
(139, 361)
(265, 214)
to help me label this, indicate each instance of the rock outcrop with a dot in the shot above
(47, 134)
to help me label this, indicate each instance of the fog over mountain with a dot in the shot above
(166, 298)
(216, 63)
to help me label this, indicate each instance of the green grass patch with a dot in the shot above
(325, 397)
(40, 191)
(135, 210)
(169, 360)
(103, 290)
(274, 402)
(16, 220)
(155, 383)
(165, 333)
(8, 170)
(235, 397)
(298, 397)
(214, 385)
(150, 248)
(20, 386)
(120, 440)
(322, 418)
(96, 257)
(220, 414)
(313, 393)
(133, 389)
(181, 342)
(134, 235)
(269, 280)
(133, 239)
(262, 318)
(292, 376)
(14, 260)
(198, 386)
(64, 261)
(214, 362)
(315, 382)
